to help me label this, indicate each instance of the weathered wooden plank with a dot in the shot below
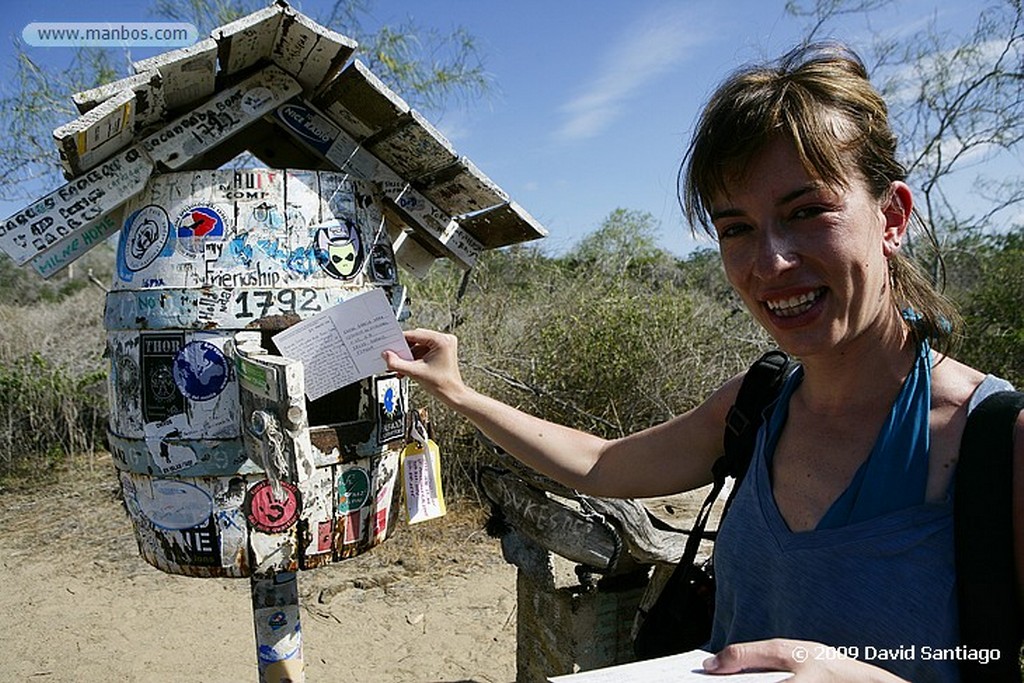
(434, 229)
(315, 130)
(583, 538)
(311, 53)
(360, 103)
(187, 74)
(503, 225)
(461, 188)
(414, 148)
(247, 40)
(98, 134)
(411, 255)
(149, 97)
(646, 543)
(222, 117)
(76, 206)
(75, 245)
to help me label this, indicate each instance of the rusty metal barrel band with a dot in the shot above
(214, 307)
(185, 457)
(181, 457)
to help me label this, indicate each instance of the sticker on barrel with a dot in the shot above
(201, 371)
(269, 511)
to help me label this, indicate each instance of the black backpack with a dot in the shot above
(680, 619)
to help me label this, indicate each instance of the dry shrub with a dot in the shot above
(608, 352)
(52, 381)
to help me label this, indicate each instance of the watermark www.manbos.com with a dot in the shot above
(109, 34)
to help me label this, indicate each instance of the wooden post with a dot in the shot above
(275, 615)
(563, 625)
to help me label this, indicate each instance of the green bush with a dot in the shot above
(48, 413)
(989, 283)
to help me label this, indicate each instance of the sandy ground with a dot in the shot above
(436, 602)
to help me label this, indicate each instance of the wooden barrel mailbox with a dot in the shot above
(203, 256)
(226, 468)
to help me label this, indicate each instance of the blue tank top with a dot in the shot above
(876, 577)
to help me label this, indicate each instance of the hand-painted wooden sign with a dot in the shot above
(187, 75)
(312, 128)
(75, 207)
(231, 111)
(300, 46)
(150, 106)
(95, 136)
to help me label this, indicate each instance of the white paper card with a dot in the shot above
(342, 344)
(421, 472)
(688, 666)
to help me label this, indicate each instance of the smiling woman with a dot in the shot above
(821, 102)
(846, 510)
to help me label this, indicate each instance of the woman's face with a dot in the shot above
(808, 259)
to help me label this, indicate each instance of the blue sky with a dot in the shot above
(593, 102)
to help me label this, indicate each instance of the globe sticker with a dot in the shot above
(200, 371)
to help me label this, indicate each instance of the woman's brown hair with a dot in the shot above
(819, 97)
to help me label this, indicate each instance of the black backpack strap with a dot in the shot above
(983, 520)
(761, 385)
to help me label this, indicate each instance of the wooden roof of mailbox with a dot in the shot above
(278, 85)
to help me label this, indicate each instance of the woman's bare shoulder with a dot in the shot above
(953, 383)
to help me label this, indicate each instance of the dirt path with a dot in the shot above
(434, 603)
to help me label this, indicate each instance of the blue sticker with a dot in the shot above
(310, 126)
(200, 371)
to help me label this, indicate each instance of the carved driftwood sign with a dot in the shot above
(583, 538)
(646, 541)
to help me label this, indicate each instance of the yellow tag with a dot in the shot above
(421, 473)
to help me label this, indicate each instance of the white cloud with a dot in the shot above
(649, 47)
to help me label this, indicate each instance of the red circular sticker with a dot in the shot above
(268, 514)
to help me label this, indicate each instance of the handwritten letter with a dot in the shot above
(342, 344)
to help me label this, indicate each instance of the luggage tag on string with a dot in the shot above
(421, 474)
